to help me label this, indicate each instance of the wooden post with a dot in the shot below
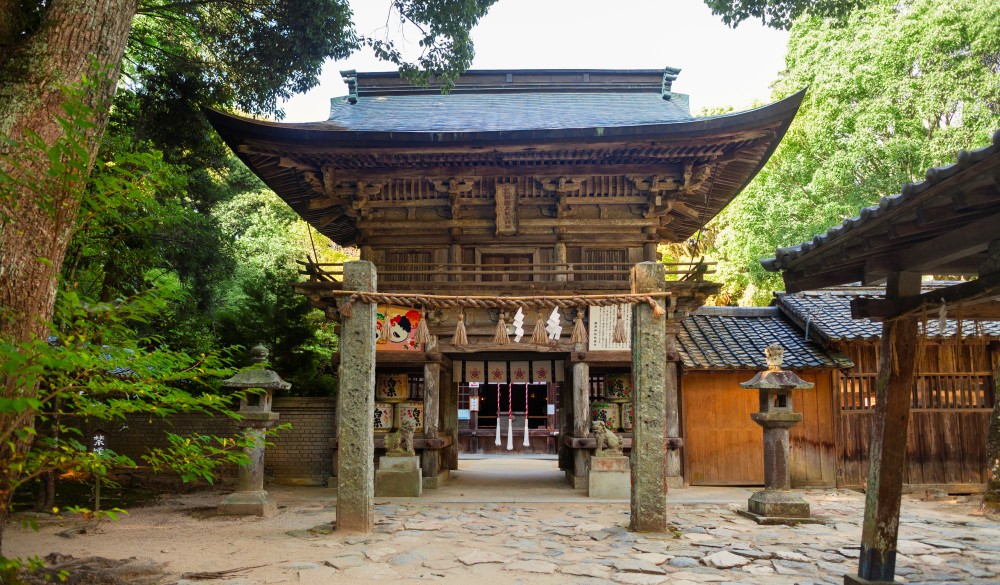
(672, 406)
(355, 404)
(430, 459)
(449, 418)
(649, 348)
(581, 421)
(888, 448)
(560, 259)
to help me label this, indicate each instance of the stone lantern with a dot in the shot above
(255, 408)
(776, 504)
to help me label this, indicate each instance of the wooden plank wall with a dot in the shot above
(723, 446)
(950, 411)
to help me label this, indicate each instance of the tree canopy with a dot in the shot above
(898, 88)
(780, 14)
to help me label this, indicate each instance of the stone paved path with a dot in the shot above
(561, 537)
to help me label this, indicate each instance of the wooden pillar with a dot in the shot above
(888, 448)
(449, 418)
(672, 405)
(430, 459)
(565, 419)
(649, 347)
(560, 257)
(581, 421)
(355, 404)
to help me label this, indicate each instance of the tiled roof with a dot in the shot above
(734, 338)
(826, 314)
(498, 112)
(868, 215)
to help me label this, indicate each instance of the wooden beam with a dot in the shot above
(936, 254)
(975, 297)
(798, 282)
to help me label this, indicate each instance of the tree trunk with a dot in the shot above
(77, 39)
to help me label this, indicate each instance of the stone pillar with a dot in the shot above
(355, 404)
(250, 477)
(649, 347)
(672, 404)
(897, 358)
(581, 422)
(430, 459)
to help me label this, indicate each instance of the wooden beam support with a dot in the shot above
(935, 255)
(976, 297)
(897, 360)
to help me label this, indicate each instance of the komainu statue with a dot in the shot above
(400, 443)
(608, 443)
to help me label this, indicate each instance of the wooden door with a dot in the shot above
(722, 445)
(515, 267)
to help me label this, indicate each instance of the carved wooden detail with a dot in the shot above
(455, 187)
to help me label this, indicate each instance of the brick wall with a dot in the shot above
(302, 453)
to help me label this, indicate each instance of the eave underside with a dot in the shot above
(652, 184)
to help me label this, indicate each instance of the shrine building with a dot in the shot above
(503, 219)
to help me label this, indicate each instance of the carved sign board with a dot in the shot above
(506, 198)
(602, 326)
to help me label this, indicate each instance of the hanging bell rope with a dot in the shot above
(503, 303)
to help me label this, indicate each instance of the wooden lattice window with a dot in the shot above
(606, 259)
(514, 267)
(407, 266)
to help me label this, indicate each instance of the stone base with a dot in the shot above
(675, 482)
(437, 481)
(399, 477)
(778, 507)
(855, 580)
(610, 478)
(577, 482)
(248, 504)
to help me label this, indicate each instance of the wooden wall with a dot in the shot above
(949, 414)
(723, 446)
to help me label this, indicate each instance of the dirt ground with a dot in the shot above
(516, 521)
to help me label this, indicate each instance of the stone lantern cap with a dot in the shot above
(774, 378)
(257, 376)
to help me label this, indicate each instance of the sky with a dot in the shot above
(720, 66)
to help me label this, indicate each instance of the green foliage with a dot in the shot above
(259, 306)
(780, 14)
(898, 88)
(446, 48)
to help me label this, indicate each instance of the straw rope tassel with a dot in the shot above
(460, 339)
(498, 443)
(618, 336)
(423, 334)
(500, 334)
(510, 418)
(538, 335)
(526, 443)
(579, 331)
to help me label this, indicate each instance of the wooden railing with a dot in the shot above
(424, 272)
(931, 391)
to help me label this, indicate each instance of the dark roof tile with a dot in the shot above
(729, 338)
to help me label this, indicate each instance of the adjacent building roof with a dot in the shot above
(734, 338)
(941, 225)
(826, 315)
